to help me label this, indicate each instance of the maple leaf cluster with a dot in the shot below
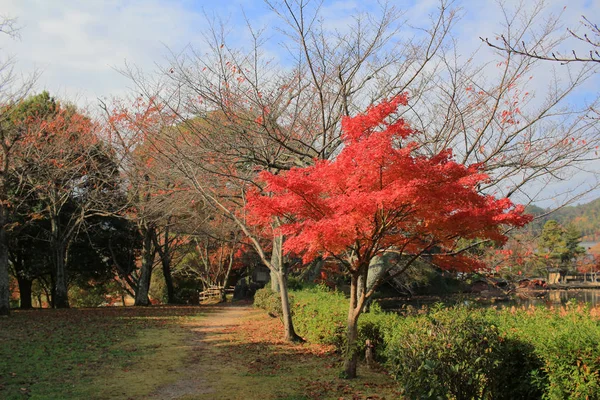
(381, 193)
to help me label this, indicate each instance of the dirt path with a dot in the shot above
(237, 352)
(219, 322)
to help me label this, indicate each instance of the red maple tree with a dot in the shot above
(382, 194)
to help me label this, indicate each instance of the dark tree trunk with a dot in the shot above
(25, 292)
(60, 297)
(166, 268)
(143, 286)
(4, 279)
(165, 260)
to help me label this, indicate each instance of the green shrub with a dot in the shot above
(567, 343)
(321, 315)
(88, 296)
(445, 355)
(270, 301)
(464, 353)
(294, 283)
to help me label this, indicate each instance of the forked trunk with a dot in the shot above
(357, 290)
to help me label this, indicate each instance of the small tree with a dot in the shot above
(560, 245)
(382, 195)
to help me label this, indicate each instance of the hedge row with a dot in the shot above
(463, 353)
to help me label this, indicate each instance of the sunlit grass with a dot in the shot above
(90, 353)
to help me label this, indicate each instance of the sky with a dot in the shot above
(79, 46)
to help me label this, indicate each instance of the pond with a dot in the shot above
(540, 298)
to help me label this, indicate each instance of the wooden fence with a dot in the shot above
(214, 292)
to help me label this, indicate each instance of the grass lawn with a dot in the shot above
(208, 352)
(91, 353)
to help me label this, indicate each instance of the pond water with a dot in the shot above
(547, 298)
(559, 297)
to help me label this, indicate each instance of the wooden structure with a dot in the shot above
(214, 292)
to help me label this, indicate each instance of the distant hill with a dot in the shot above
(585, 217)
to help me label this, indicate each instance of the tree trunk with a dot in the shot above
(357, 290)
(290, 333)
(351, 356)
(276, 262)
(61, 296)
(25, 292)
(165, 260)
(226, 277)
(4, 279)
(166, 268)
(143, 286)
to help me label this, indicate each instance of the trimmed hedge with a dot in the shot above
(464, 353)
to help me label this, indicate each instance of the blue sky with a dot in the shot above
(78, 45)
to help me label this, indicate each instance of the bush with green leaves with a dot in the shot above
(464, 353)
(320, 316)
(270, 301)
(457, 353)
(567, 343)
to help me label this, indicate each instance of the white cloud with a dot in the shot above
(77, 45)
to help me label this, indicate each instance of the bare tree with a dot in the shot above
(156, 201)
(239, 111)
(547, 41)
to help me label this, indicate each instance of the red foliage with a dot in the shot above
(380, 193)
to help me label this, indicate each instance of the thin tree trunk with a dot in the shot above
(143, 286)
(351, 357)
(226, 277)
(4, 279)
(290, 334)
(276, 262)
(25, 292)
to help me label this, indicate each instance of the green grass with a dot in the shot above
(169, 352)
(91, 353)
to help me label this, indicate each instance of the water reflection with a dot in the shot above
(533, 298)
(557, 297)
